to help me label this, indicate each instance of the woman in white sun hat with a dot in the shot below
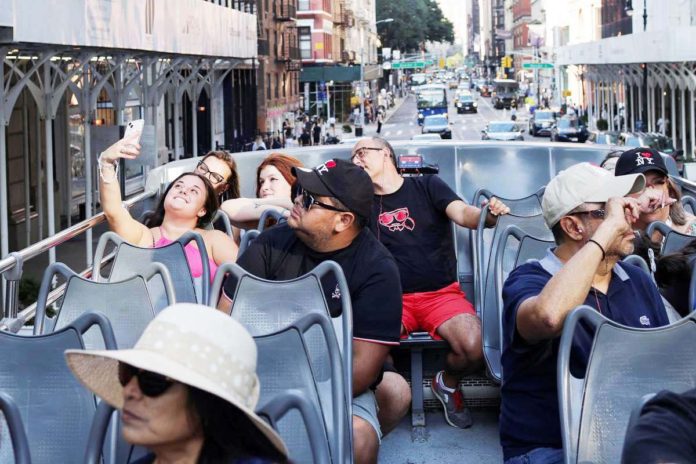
(187, 390)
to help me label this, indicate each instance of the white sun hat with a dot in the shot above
(192, 344)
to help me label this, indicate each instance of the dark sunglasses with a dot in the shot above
(150, 383)
(206, 172)
(308, 201)
(595, 213)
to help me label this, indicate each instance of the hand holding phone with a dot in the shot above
(134, 127)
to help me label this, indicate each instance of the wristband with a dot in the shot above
(101, 165)
(604, 254)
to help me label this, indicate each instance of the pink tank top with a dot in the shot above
(193, 256)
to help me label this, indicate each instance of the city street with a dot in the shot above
(402, 124)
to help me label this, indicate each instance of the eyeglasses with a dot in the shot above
(595, 213)
(361, 152)
(308, 201)
(206, 172)
(150, 383)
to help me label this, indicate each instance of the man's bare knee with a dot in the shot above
(463, 333)
(365, 442)
(393, 396)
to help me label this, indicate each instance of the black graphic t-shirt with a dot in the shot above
(371, 273)
(413, 225)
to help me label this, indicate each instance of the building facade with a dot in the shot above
(278, 74)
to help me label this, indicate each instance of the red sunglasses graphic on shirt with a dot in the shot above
(397, 220)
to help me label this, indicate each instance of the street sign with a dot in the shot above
(537, 65)
(411, 64)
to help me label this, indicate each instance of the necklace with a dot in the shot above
(599, 307)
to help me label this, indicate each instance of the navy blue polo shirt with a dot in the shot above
(529, 416)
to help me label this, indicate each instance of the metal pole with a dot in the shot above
(39, 176)
(683, 119)
(27, 175)
(663, 110)
(87, 142)
(194, 121)
(692, 104)
(673, 111)
(50, 176)
(631, 98)
(362, 87)
(645, 71)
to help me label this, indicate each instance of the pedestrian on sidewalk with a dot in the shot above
(380, 121)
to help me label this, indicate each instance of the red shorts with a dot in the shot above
(429, 310)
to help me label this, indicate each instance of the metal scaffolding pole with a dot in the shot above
(630, 98)
(683, 119)
(663, 110)
(50, 176)
(673, 122)
(692, 104)
(26, 155)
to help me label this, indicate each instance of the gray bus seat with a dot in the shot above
(130, 259)
(514, 247)
(265, 307)
(526, 206)
(487, 242)
(285, 363)
(56, 409)
(689, 204)
(15, 428)
(224, 220)
(673, 240)
(269, 214)
(247, 238)
(637, 261)
(309, 435)
(625, 364)
(126, 303)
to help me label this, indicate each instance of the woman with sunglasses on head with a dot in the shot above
(177, 401)
(188, 204)
(274, 182)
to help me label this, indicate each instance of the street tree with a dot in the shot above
(415, 22)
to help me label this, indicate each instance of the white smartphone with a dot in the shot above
(134, 127)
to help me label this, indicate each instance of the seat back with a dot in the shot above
(128, 316)
(247, 238)
(673, 240)
(637, 261)
(56, 410)
(689, 204)
(514, 247)
(269, 214)
(288, 360)
(487, 240)
(221, 221)
(526, 206)
(625, 364)
(265, 307)
(130, 260)
(15, 428)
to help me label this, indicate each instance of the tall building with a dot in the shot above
(635, 75)
(75, 76)
(334, 37)
(475, 31)
(278, 74)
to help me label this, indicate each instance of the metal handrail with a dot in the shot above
(12, 264)
(63, 236)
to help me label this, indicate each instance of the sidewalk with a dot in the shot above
(389, 113)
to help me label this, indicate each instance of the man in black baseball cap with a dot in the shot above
(328, 222)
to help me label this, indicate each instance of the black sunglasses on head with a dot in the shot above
(150, 383)
(308, 201)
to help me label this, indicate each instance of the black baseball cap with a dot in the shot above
(640, 160)
(342, 180)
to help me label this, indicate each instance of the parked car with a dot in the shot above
(603, 137)
(422, 137)
(437, 124)
(503, 130)
(465, 103)
(541, 121)
(568, 129)
(654, 140)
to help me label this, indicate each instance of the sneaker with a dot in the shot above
(456, 414)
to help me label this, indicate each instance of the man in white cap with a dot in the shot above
(591, 218)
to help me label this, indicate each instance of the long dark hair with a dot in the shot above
(228, 433)
(211, 203)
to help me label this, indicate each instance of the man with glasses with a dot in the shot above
(591, 218)
(412, 217)
(328, 222)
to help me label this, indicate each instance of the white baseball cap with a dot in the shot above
(585, 183)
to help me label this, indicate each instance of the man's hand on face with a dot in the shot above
(620, 214)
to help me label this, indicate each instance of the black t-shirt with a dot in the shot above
(665, 432)
(371, 273)
(413, 225)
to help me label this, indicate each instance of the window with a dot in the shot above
(305, 37)
(303, 5)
